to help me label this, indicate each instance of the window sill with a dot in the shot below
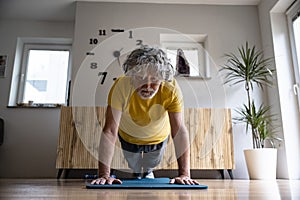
(192, 77)
(24, 105)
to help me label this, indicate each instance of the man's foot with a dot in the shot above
(137, 175)
(150, 175)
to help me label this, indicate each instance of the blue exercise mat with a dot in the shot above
(157, 183)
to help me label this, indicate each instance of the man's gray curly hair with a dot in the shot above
(149, 58)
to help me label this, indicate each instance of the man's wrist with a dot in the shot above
(103, 170)
(103, 175)
(184, 173)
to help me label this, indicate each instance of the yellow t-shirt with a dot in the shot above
(144, 121)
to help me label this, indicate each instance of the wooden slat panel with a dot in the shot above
(76, 128)
(210, 137)
(212, 146)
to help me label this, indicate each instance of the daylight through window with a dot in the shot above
(45, 74)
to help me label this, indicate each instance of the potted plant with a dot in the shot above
(248, 68)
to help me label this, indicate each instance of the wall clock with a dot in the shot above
(103, 62)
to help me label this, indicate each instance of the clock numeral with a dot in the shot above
(102, 32)
(93, 41)
(103, 74)
(90, 53)
(94, 65)
(130, 34)
(117, 30)
(139, 42)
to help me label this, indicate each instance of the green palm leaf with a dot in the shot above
(249, 67)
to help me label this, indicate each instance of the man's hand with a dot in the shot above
(106, 180)
(184, 180)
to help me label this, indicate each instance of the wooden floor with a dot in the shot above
(217, 189)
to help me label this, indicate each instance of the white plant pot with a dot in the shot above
(261, 163)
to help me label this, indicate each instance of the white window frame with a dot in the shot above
(190, 46)
(27, 48)
(24, 45)
(292, 14)
(190, 41)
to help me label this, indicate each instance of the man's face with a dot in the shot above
(146, 85)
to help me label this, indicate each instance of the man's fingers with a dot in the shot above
(113, 180)
(196, 182)
(117, 181)
(102, 181)
(184, 181)
(98, 181)
(109, 181)
(180, 181)
(176, 180)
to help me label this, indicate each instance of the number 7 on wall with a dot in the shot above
(103, 74)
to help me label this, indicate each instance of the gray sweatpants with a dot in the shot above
(143, 158)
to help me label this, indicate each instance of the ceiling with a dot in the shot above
(64, 10)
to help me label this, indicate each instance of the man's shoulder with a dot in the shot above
(122, 82)
(122, 79)
(170, 85)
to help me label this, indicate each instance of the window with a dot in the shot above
(190, 50)
(43, 75)
(293, 16)
(190, 54)
(296, 30)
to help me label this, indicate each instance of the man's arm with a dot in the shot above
(180, 137)
(106, 148)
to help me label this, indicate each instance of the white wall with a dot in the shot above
(30, 135)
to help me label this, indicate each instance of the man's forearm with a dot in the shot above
(106, 152)
(182, 148)
(184, 164)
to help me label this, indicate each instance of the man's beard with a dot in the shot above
(147, 93)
